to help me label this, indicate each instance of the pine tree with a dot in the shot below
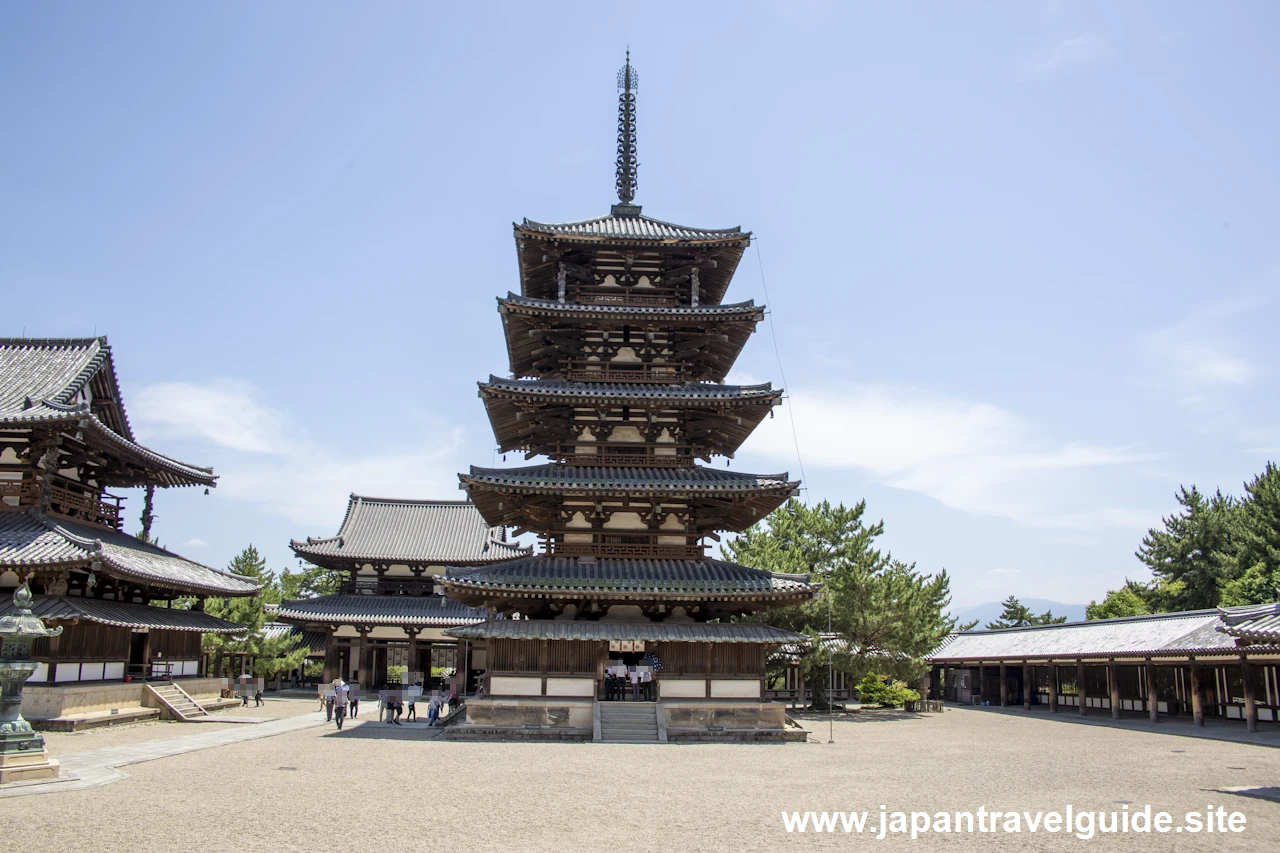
(246, 610)
(886, 614)
(1128, 600)
(1189, 557)
(1253, 556)
(308, 582)
(1018, 615)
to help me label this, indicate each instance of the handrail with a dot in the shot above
(619, 549)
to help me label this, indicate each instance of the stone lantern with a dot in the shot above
(23, 756)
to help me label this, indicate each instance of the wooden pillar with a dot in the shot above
(1153, 702)
(1004, 685)
(330, 658)
(1114, 684)
(1250, 705)
(1197, 699)
(366, 662)
(1053, 687)
(982, 671)
(1082, 693)
(422, 649)
(1027, 671)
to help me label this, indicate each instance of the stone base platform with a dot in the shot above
(500, 733)
(96, 720)
(739, 736)
(80, 705)
(544, 718)
(525, 718)
(29, 767)
(727, 721)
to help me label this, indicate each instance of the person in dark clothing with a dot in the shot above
(608, 686)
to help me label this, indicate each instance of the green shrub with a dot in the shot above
(884, 691)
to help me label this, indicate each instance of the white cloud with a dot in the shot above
(195, 543)
(262, 457)
(970, 456)
(1199, 351)
(225, 413)
(1084, 49)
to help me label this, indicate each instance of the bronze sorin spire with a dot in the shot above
(627, 84)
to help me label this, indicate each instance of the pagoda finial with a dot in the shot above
(627, 84)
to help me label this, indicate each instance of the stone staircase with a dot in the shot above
(177, 701)
(629, 722)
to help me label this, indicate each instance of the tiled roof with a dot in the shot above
(637, 227)
(686, 393)
(421, 611)
(124, 614)
(39, 381)
(411, 532)
(36, 370)
(312, 641)
(532, 305)
(606, 576)
(666, 632)
(29, 541)
(1253, 624)
(1165, 633)
(572, 478)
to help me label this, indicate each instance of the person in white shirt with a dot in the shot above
(341, 694)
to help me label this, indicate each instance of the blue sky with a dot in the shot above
(1021, 258)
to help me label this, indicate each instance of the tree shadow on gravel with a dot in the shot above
(382, 731)
(869, 715)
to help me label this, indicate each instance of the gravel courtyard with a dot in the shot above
(378, 787)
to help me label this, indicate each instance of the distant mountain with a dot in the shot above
(991, 610)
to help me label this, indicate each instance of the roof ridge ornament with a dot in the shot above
(625, 183)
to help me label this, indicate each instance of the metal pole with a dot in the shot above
(831, 709)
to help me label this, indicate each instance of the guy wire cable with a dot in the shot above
(777, 354)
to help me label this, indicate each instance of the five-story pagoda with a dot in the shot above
(618, 343)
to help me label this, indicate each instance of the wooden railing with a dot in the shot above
(640, 454)
(632, 550)
(626, 297)
(104, 510)
(389, 585)
(66, 497)
(612, 371)
(23, 490)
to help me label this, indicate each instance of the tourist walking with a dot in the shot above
(340, 694)
(433, 709)
(355, 700)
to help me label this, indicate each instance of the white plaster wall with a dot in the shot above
(735, 688)
(682, 688)
(571, 687)
(626, 433)
(625, 521)
(679, 614)
(624, 613)
(509, 685)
